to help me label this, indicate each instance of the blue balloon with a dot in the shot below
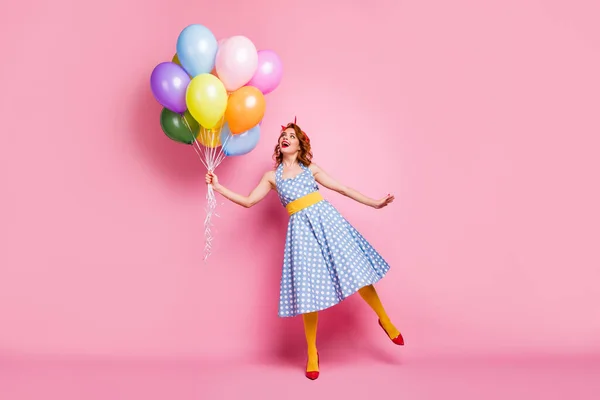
(197, 49)
(238, 145)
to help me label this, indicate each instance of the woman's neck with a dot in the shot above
(289, 161)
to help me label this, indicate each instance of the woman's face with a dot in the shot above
(288, 142)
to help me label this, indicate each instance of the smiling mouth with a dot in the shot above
(285, 144)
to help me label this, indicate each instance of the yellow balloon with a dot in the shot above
(176, 60)
(209, 137)
(219, 125)
(206, 99)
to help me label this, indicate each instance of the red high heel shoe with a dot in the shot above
(399, 340)
(312, 375)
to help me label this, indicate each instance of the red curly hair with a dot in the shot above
(304, 155)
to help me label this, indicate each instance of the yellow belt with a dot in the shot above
(303, 202)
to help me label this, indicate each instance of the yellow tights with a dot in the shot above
(369, 294)
(310, 330)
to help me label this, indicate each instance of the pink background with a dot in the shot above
(481, 117)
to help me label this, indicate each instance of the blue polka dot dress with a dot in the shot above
(325, 258)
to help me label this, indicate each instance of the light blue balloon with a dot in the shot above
(238, 145)
(197, 49)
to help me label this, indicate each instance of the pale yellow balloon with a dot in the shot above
(206, 99)
(219, 125)
(209, 137)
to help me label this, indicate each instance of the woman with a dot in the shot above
(325, 259)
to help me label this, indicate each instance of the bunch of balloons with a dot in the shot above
(212, 93)
(213, 90)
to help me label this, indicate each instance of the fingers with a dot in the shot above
(211, 178)
(389, 198)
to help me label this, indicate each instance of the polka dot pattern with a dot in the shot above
(325, 258)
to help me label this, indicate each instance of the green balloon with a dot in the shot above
(180, 128)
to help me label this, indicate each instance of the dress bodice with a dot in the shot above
(290, 189)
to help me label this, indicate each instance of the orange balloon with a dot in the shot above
(245, 109)
(209, 137)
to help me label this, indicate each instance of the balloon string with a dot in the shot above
(221, 155)
(221, 152)
(217, 134)
(210, 208)
(211, 158)
(211, 203)
(196, 147)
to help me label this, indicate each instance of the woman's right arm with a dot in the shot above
(259, 192)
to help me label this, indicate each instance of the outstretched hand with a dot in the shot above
(383, 202)
(212, 179)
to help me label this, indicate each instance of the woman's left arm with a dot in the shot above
(327, 181)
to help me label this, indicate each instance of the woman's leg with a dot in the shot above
(310, 330)
(369, 294)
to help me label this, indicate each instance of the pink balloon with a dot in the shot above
(236, 62)
(269, 72)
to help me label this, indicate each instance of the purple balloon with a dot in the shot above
(269, 72)
(169, 83)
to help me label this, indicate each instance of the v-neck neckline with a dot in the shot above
(303, 170)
